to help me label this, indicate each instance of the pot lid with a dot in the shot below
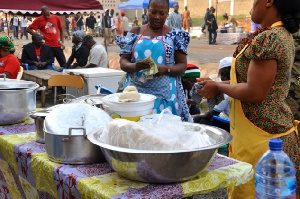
(59, 120)
(8, 84)
(89, 99)
(114, 99)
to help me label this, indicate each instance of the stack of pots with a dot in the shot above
(66, 129)
(17, 100)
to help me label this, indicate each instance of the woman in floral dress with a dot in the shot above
(259, 84)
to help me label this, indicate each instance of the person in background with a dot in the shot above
(90, 24)
(98, 55)
(23, 22)
(145, 18)
(99, 26)
(186, 19)
(174, 19)
(229, 21)
(37, 54)
(188, 80)
(126, 23)
(79, 21)
(223, 106)
(212, 26)
(51, 28)
(15, 24)
(107, 27)
(9, 64)
(80, 52)
(204, 25)
(259, 84)
(135, 22)
(119, 24)
(293, 98)
(151, 39)
(67, 21)
(73, 24)
(113, 27)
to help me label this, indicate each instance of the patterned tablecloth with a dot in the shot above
(26, 172)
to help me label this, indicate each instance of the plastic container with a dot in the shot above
(275, 174)
(128, 110)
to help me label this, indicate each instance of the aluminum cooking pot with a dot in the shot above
(39, 118)
(17, 99)
(66, 128)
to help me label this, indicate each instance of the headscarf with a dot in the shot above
(6, 43)
(79, 35)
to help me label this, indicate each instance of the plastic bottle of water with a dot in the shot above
(275, 174)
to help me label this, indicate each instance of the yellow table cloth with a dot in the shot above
(26, 172)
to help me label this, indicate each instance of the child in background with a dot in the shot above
(188, 80)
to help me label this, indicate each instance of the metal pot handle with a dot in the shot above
(70, 133)
(4, 76)
(42, 88)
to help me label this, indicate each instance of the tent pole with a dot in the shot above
(7, 26)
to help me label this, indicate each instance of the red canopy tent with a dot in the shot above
(33, 7)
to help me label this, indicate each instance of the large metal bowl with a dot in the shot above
(162, 166)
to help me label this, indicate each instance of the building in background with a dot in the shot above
(232, 7)
(110, 4)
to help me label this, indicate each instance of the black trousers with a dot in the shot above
(212, 39)
(58, 53)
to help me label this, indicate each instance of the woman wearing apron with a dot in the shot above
(259, 85)
(168, 48)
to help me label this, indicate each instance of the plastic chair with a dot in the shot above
(65, 80)
(20, 73)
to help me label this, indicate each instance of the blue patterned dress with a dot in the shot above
(167, 89)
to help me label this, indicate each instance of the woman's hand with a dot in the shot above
(141, 65)
(209, 89)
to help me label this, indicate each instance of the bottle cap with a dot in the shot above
(275, 144)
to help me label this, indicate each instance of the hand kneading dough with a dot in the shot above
(130, 94)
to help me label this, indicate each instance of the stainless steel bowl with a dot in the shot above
(162, 166)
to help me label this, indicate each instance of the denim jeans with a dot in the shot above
(24, 32)
(34, 67)
(16, 31)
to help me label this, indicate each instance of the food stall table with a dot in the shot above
(41, 77)
(230, 38)
(26, 172)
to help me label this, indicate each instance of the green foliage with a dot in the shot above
(198, 21)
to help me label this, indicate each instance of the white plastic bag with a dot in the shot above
(163, 131)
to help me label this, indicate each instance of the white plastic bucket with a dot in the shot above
(128, 110)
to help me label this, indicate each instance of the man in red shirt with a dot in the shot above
(51, 27)
(9, 64)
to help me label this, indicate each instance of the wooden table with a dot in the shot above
(41, 77)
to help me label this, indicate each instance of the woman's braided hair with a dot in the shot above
(290, 13)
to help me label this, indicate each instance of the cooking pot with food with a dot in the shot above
(128, 110)
(17, 99)
(66, 129)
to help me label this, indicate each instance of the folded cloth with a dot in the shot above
(210, 102)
